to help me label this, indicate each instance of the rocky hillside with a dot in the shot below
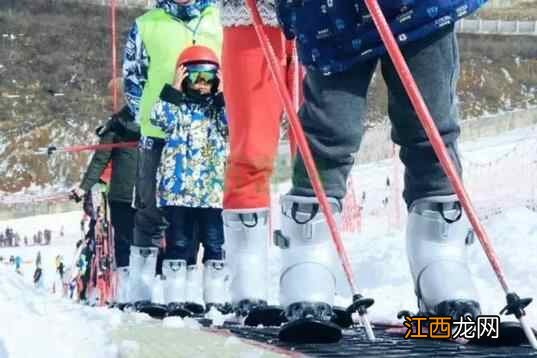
(523, 10)
(55, 63)
(498, 74)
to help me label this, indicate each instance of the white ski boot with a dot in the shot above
(438, 235)
(122, 285)
(247, 236)
(215, 279)
(174, 274)
(307, 280)
(142, 269)
(308, 276)
(194, 294)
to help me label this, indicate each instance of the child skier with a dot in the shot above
(190, 176)
(153, 46)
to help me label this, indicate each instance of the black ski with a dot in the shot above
(196, 308)
(178, 310)
(342, 317)
(154, 310)
(304, 331)
(267, 316)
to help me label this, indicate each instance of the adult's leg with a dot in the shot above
(434, 63)
(149, 222)
(254, 111)
(332, 114)
(122, 217)
(332, 118)
(437, 229)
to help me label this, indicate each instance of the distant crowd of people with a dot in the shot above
(11, 238)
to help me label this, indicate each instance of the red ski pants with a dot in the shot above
(254, 110)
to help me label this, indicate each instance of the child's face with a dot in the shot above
(202, 87)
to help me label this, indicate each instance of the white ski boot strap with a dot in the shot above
(450, 211)
(247, 218)
(311, 226)
(173, 268)
(144, 252)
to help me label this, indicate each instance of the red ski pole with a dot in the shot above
(515, 305)
(302, 144)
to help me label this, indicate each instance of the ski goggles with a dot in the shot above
(205, 72)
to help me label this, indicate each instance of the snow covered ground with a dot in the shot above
(35, 323)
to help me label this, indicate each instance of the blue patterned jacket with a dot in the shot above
(333, 35)
(191, 170)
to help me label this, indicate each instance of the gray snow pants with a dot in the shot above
(335, 106)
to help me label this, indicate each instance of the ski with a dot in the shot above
(265, 316)
(304, 331)
(182, 310)
(154, 310)
(194, 308)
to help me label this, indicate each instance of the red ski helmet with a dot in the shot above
(198, 54)
(199, 61)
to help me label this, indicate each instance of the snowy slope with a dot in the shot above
(58, 328)
(500, 172)
(65, 246)
(36, 324)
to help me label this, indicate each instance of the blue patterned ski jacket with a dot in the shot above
(191, 170)
(333, 35)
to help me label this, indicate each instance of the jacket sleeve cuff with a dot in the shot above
(171, 95)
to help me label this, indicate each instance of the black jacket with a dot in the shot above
(119, 128)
